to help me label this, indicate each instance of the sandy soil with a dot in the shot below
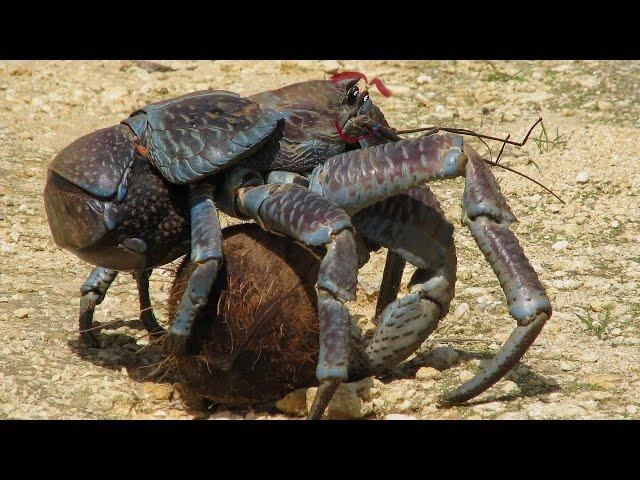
(586, 252)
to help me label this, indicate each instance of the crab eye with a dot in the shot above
(353, 95)
(366, 97)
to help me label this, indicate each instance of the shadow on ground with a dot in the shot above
(529, 382)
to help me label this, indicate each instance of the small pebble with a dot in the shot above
(615, 224)
(632, 409)
(561, 245)
(566, 366)
(399, 416)
(21, 313)
(445, 357)
(582, 177)
(461, 311)
(427, 373)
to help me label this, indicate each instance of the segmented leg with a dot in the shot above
(206, 254)
(305, 216)
(412, 226)
(487, 215)
(147, 317)
(92, 293)
(390, 284)
(358, 179)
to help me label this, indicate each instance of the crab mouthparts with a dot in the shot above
(347, 138)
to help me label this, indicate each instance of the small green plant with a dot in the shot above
(545, 144)
(500, 76)
(597, 327)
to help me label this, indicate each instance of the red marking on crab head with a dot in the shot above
(375, 81)
(346, 138)
(344, 75)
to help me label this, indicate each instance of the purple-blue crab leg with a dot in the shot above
(147, 317)
(357, 179)
(413, 227)
(295, 211)
(391, 279)
(92, 293)
(487, 215)
(206, 254)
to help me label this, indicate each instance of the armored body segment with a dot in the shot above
(194, 136)
(97, 162)
(309, 137)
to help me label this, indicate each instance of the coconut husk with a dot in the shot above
(257, 339)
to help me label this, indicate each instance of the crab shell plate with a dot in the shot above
(196, 135)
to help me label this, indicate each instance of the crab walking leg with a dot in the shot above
(357, 179)
(390, 284)
(487, 215)
(413, 227)
(295, 211)
(92, 293)
(147, 317)
(206, 254)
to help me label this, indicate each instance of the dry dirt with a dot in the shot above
(586, 252)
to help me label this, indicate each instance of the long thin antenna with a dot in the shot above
(496, 164)
(464, 131)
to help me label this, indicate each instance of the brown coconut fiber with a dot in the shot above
(257, 339)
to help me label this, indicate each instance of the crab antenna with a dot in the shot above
(464, 131)
(496, 164)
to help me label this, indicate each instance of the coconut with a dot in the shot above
(257, 338)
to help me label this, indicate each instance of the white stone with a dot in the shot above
(399, 416)
(582, 177)
(422, 79)
(561, 245)
(461, 311)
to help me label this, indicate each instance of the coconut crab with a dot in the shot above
(315, 161)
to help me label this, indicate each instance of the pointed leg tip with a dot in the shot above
(325, 392)
(448, 400)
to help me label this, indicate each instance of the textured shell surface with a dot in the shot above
(197, 135)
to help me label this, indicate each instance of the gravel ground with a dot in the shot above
(586, 252)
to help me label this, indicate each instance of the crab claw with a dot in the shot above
(512, 351)
(488, 216)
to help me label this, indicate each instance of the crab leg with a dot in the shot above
(206, 254)
(92, 293)
(147, 317)
(358, 179)
(295, 211)
(391, 278)
(413, 227)
(487, 215)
